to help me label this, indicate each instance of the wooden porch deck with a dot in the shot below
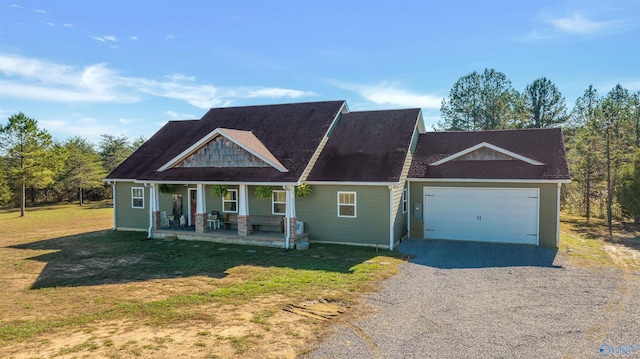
(229, 236)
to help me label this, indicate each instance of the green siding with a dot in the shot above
(319, 212)
(126, 216)
(548, 220)
(400, 223)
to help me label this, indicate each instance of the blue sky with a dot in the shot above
(126, 67)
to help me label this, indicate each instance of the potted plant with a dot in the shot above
(302, 190)
(165, 188)
(219, 190)
(264, 192)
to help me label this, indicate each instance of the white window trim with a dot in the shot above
(273, 202)
(133, 197)
(355, 204)
(404, 201)
(232, 201)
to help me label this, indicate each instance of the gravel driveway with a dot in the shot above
(476, 300)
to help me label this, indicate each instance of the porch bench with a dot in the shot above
(230, 219)
(275, 221)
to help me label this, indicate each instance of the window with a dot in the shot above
(230, 201)
(137, 197)
(404, 200)
(279, 202)
(347, 204)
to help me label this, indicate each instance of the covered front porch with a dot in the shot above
(229, 236)
(234, 211)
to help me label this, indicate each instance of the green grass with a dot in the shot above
(240, 344)
(68, 257)
(586, 249)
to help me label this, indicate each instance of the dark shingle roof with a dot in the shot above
(367, 146)
(543, 145)
(291, 132)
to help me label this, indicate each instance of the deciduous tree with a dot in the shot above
(82, 169)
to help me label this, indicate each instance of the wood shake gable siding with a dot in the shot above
(221, 152)
(319, 212)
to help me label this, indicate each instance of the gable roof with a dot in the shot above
(244, 139)
(290, 132)
(367, 146)
(485, 145)
(539, 155)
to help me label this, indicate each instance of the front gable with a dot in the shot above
(226, 148)
(486, 152)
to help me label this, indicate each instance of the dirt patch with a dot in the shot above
(623, 256)
(621, 245)
(232, 334)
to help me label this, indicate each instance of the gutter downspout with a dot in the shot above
(558, 218)
(409, 210)
(115, 217)
(151, 202)
(390, 218)
(287, 218)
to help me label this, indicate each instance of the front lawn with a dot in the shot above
(73, 287)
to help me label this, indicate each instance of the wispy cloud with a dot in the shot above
(104, 39)
(133, 38)
(68, 25)
(47, 81)
(272, 92)
(178, 116)
(85, 127)
(180, 77)
(41, 11)
(577, 24)
(126, 121)
(170, 37)
(391, 94)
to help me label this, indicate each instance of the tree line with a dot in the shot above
(37, 169)
(601, 133)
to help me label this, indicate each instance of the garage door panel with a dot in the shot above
(482, 214)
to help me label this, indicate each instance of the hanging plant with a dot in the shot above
(264, 192)
(302, 190)
(219, 190)
(165, 188)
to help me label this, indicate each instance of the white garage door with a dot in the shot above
(508, 215)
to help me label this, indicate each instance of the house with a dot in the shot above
(376, 177)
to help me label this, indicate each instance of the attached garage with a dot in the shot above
(506, 215)
(488, 186)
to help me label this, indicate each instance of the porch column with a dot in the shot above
(244, 219)
(154, 211)
(290, 216)
(201, 209)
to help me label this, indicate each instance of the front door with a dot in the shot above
(193, 195)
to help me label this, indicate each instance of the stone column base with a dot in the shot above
(244, 225)
(292, 229)
(201, 223)
(156, 220)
